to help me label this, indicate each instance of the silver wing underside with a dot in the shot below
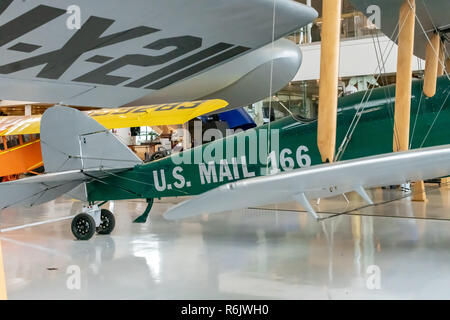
(144, 51)
(320, 182)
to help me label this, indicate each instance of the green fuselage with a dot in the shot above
(293, 144)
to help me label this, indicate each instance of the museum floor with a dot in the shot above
(397, 249)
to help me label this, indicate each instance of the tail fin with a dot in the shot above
(71, 140)
(71, 143)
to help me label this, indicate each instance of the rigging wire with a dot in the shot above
(385, 84)
(440, 62)
(39, 194)
(415, 120)
(352, 212)
(294, 116)
(102, 181)
(365, 99)
(358, 114)
(435, 119)
(436, 29)
(271, 87)
(411, 194)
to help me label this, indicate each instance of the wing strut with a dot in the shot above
(304, 202)
(362, 192)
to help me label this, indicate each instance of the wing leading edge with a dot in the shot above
(152, 115)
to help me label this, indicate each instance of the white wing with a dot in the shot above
(320, 182)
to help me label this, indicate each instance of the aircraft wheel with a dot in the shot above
(158, 155)
(83, 226)
(108, 222)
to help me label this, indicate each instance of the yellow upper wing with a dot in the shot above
(154, 115)
(17, 125)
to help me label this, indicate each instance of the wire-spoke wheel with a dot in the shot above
(158, 155)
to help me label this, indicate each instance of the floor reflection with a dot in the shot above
(272, 252)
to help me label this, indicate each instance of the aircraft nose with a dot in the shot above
(292, 13)
(308, 14)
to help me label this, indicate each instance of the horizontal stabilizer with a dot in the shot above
(39, 189)
(320, 181)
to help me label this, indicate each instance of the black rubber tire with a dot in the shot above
(158, 155)
(108, 222)
(83, 226)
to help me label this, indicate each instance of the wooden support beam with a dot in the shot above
(165, 129)
(402, 115)
(441, 64)
(404, 76)
(431, 65)
(5, 143)
(445, 182)
(419, 192)
(3, 295)
(447, 65)
(187, 143)
(329, 71)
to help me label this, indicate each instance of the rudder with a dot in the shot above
(71, 140)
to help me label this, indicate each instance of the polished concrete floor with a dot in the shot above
(396, 250)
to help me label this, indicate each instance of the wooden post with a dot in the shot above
(27, 110)
(329, 69)
(429, 89)
(419, 192)
(5, 143)
(404, 76)
(441, 64)
(445, 182)
(447, 65)
(3, 295)
(186, 137)
(431, 65)
(402, 115)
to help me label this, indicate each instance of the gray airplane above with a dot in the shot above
(431, 16)
(112, 53)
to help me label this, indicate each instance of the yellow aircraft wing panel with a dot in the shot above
(18, 125)
(153, 115)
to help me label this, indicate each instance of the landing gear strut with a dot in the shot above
(91, 220)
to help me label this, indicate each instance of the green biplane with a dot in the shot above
(276, 162)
